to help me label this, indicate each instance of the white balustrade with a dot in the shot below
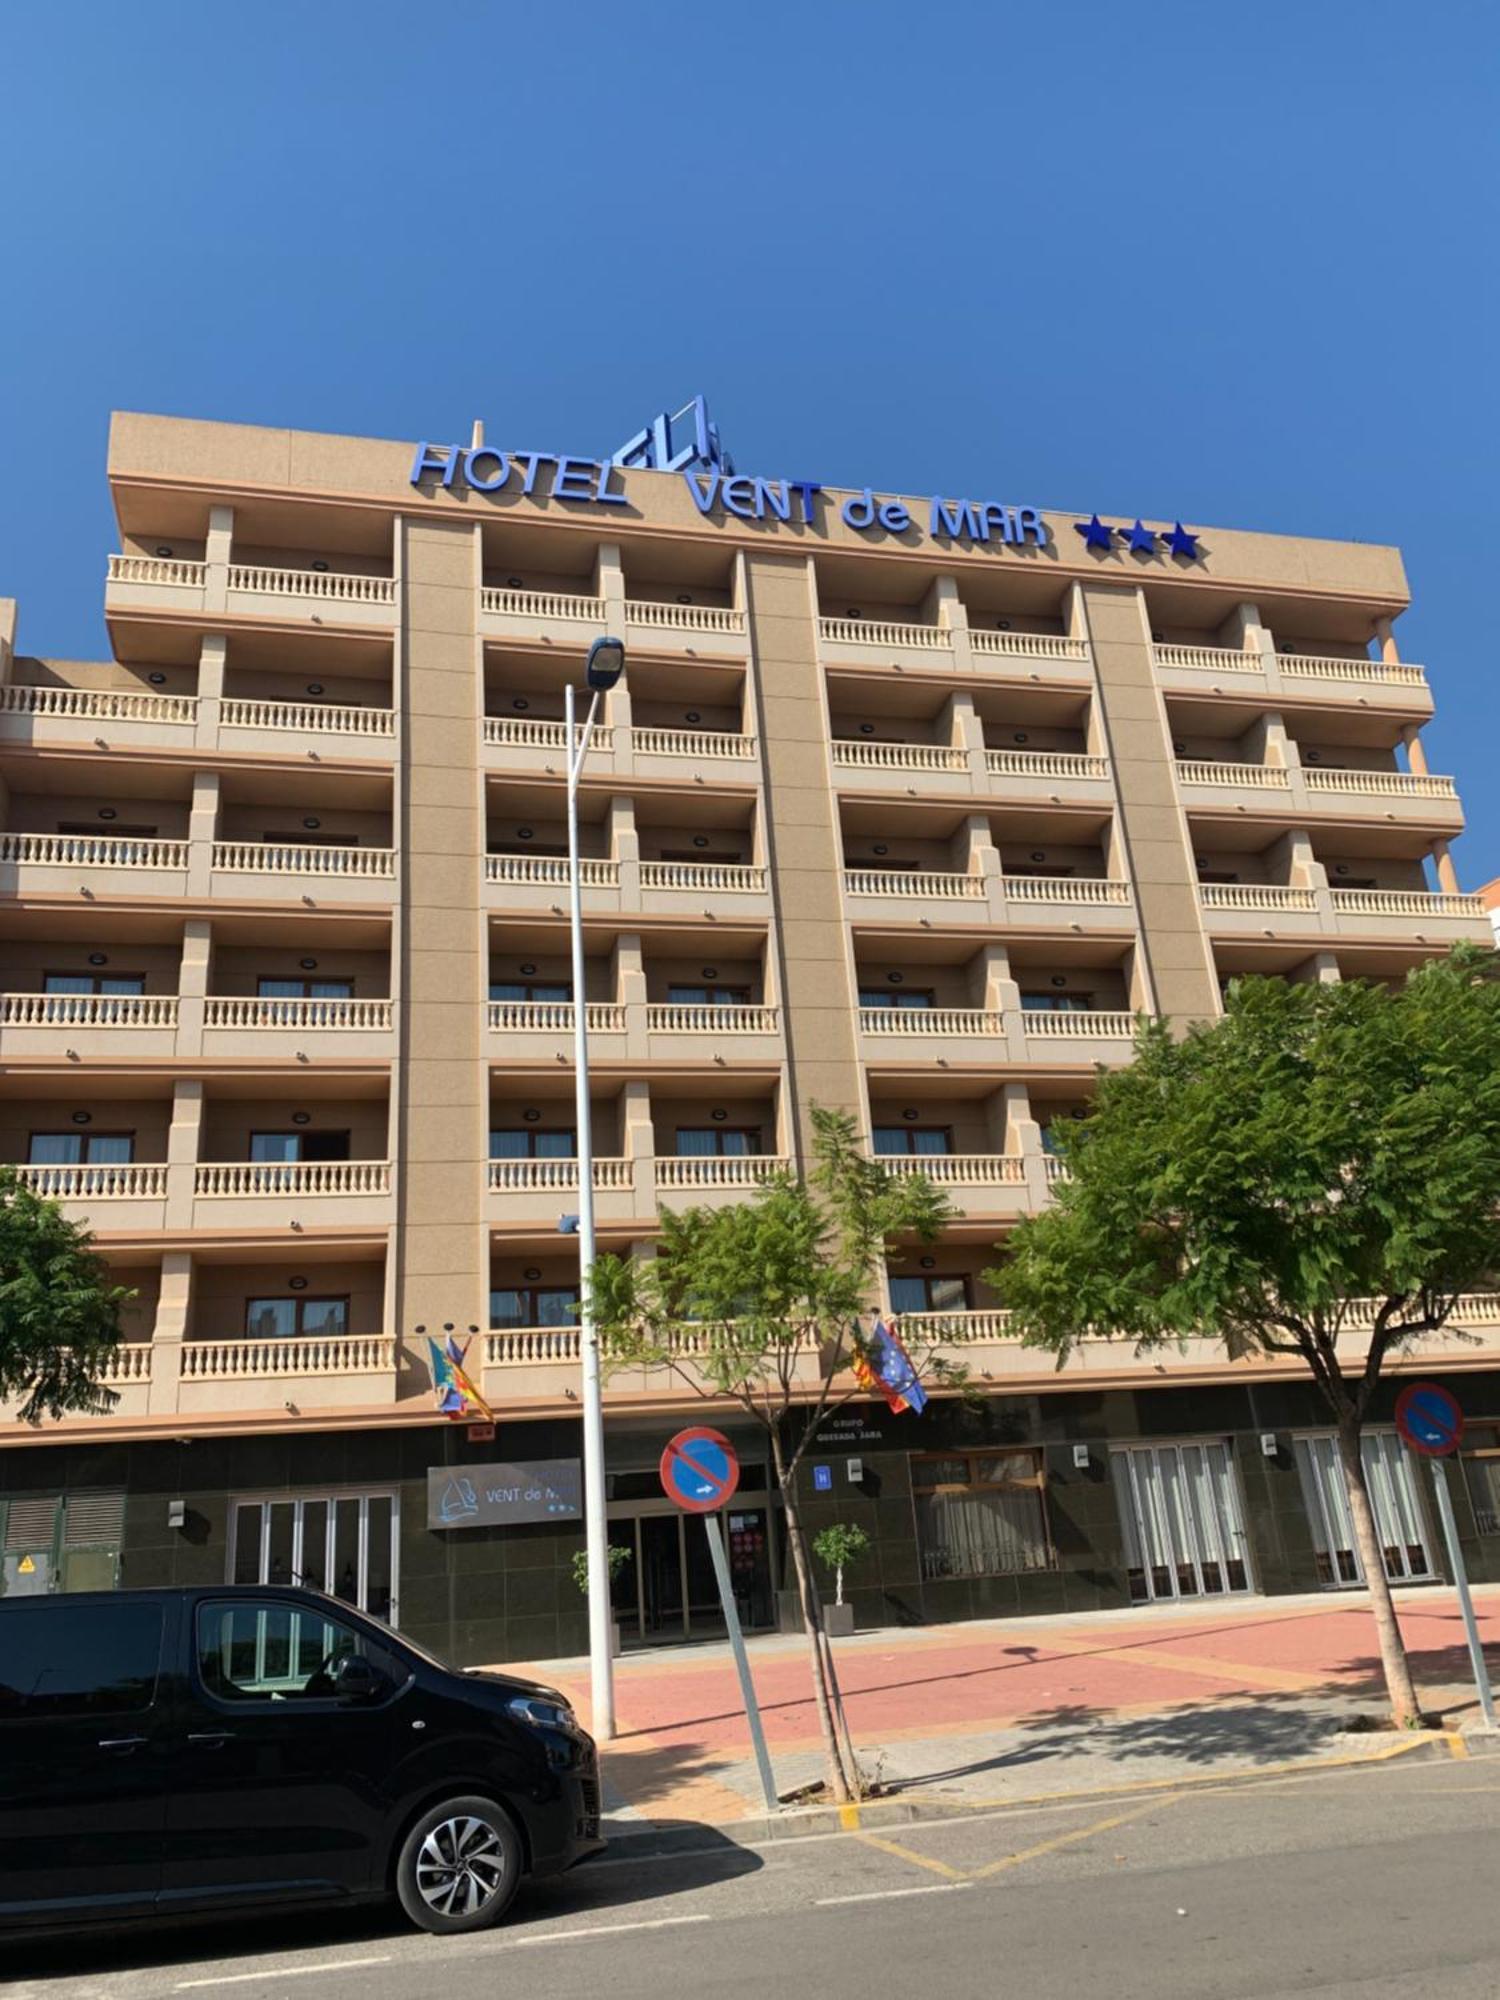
(1028, 645)
(1380, 784)
(543, 604)
(898, 756)
(960, 1169)
(526, 1176)
(691, 743)
(231, 1011)
(268, 857)
(952, 1329)
(1108, 1025)
(732, 877)
(252, 1360)
(1310, 666)
(292, 1177)
(683, 617)
(321, 718)
(157, 569)
(1209, 659)
(523, 732)
(525, 1346)
(882, 632)
(88, 1010)
(929, 1021)
(98, 704)
(91, 850)
(547, 868)
(335, 585)
(1045, 764)
(127, 1181)
(677, 1019)
(1406, 903)
(1064, 889)
(712, 1170)
(1255, 777)
(554, 1017)
(1055, 1169)
(1256, 896)
(130, 1362)
(901, 882)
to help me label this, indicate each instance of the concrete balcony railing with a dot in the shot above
(238, 1015)
(546, 607)
(328, 586)
(1209, 659)
(1096, 891)
(1332, 672)
(1080, 1025)
(545, 1028)
(1378, 784)
(88, 1010)
(740, 1172)
(1367, 673)
(297, 718)
(549, 871)
(931, 1023)
(552, 1017)
(535, 1362)
(861, 756)
(960, 1169)
(219, 1180)
(695, 743)
(1065, 766)
(99, 705)
(92, 850)
(1028, 646)
(677, 1019)
(701, 877)
(1408, 903)
(1353, 910)
(158, 572)
(1232, 777)
(1272, 898)
(886, 634)
(719, 621)
(261, 1360)
(913, 884)
(136, 1180)
(265, 857)
(522, 732)
(529, 1176)
(146, 582)
(535, 744)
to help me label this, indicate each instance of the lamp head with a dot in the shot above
(606, 663)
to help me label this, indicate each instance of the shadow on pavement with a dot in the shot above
(593, 1887)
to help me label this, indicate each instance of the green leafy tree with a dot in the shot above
(59, 1314)
(838, 1545)
(1317, 1175)
(616, 1556)
(758, 1304)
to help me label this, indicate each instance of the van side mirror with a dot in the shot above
(357, 1679)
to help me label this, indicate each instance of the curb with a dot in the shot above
(819, 1822)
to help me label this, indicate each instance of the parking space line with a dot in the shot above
(909, 1854)
(279, 1972)
(888, 1895)
(1078, 1833)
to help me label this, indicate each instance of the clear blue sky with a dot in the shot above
(1231, 263)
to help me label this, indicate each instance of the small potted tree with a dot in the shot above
(835, 1547)
(617, 1558)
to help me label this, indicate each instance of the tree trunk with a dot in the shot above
(842, 1782)
(1398, 1683)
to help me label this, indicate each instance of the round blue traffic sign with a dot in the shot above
(699, 1470)
(1429, 1419)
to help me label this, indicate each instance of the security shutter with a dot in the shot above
(31, 1524)
(93, 1520)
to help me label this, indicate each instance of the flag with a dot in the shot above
(456, 1394)
(882, 1365)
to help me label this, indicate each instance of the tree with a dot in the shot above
(1316, 1174)
(838, 1545)
(758, 1303)
(59, 1314)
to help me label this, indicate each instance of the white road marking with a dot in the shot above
(885, 1895)
(280, 1972)
(602, 1930)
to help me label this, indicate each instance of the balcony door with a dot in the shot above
(723, 1142)
(344, 1543)
(291, 1148)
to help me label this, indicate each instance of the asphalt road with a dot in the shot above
(1350, 1885)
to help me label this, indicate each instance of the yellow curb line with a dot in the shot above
(1456, 1744)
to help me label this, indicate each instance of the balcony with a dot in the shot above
(625, 1189)
(102, 864)
(127, 1025)
(552, 616)
(256, 725)
(537, 1363)
(1304, 675)
(129, 1196)
(1092, 1035)
(74, 715)
(236, 1025)
(976, 1183)
(1048, 776)
(350, 1369)
(537, 745)
(1013, 900)
(267, 868)
(256, 1194)
(912, 644)
(941, 760)
(155, 583)
(659, 626)
(1028, 646)
(1444, 919)
(537, 881)
(1194, 774)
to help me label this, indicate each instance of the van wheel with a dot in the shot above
(459, 1867)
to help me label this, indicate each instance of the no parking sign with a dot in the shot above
(700, 1470)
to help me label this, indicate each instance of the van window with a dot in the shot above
(279, 1652)
(79, 1659)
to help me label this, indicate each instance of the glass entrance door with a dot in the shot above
(1399, 1525)
(1183, 1526)
(667, 1591)
(341, 1543)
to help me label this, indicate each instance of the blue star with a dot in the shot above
(1141, 538)
(1181, 543)
(1095, 534)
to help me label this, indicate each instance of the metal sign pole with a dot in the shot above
(1461, 1581)
(741, 1660)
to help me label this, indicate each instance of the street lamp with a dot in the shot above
(606, 663)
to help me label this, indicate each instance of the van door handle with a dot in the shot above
(212, 1739)
(123, 1744)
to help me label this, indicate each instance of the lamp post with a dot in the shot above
(606, 663)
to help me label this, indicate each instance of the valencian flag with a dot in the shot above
(883, 1365)
(456, 1394)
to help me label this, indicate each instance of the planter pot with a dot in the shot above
(838, 1620)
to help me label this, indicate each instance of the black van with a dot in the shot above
(176, 1751)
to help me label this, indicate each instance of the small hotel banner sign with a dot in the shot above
(504, 1496)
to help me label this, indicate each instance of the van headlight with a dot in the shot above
(541, 1713)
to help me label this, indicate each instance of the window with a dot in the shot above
(507, 1143)
(534, 1305)
(83, 1659)
(708, 996)
(882, 996)
(913, 1139)
(1057, 1003)
(78, 1149)
(1481, 1463)
(1217, 875)
(730, 857)
(290, 1147)
(280, 1652)
(929, 1293)
(499, 846)
(301, 839)
(701, 1142)
(298, 988)
(534, 989)
(285, 1319)
(94, 982)
(347, 1544)
(1044, 872)
(981, 1513)
(86, 829)
(888, 864)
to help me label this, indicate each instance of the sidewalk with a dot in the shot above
(1012, 1708)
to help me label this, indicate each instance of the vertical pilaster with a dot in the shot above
(173, 1309)
(203, 831)
(212, 654)
(1447, 874)
(217, 555)
(184, 1136)
(193, 975)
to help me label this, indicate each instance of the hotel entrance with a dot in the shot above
(665, 1593)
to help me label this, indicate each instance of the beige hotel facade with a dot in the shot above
(911, 823)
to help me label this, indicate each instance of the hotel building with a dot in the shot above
(907, 822)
